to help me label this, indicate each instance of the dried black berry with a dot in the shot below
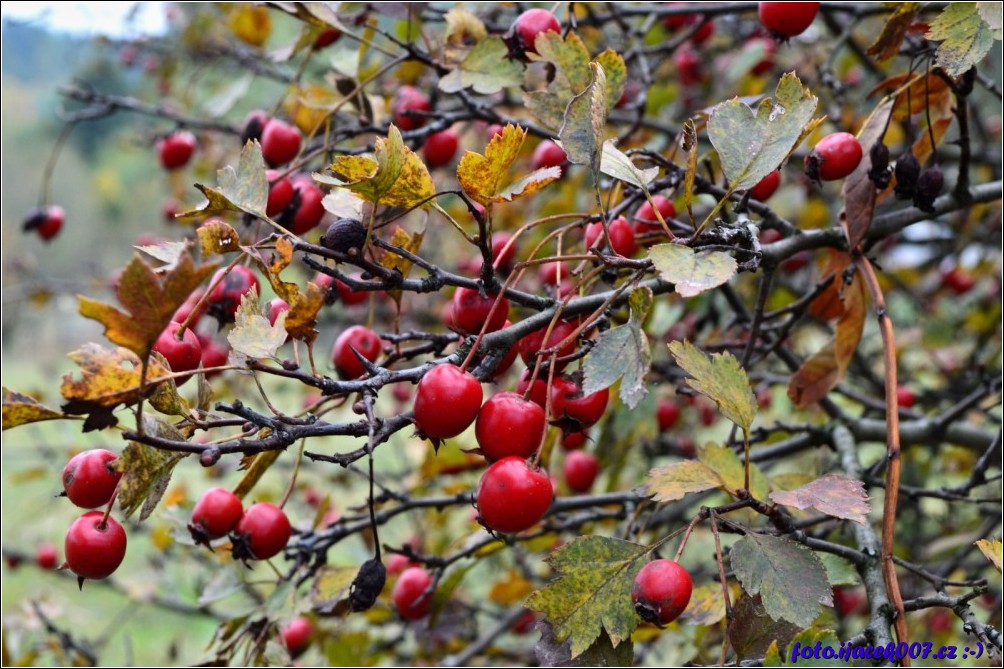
(880, 172)
(346, 235)
(929, 187)
(907, 171)
(367, 585)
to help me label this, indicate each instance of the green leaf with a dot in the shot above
(752, 631)
(965, 35)
(726, 463)
(582, 130)
(992, 551)
(253, 336)
(487, 69)
(570, 58)
(772, 658)
(592, 592)
(621, 353)
(707, 606)
(616, 72)
(692, 273)
(394, 177)
(787, 575)
(752, 145)
(19, 409)
(838, 570)
(146, 471)
(808, 638)
(615, 163)
(833, 494)
(550, 653)
(244, 189)
(721, 378)
(671, 482)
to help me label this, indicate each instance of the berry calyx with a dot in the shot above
(411, 593)
(834, 157)
(581, 469)
(661, 591)
(176, 149)
(262, 532)
(94, 548)
(447, 402)
(512, 496)
(787, 19)
(216, 513)
(363, 340)
(531, 23)
(509, 425)
(254, 123)
(280, 142)
(89, 478)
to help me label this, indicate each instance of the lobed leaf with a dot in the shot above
(486, 68)
(721, 378)
(833, 494)
(692, 273)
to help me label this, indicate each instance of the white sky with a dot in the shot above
(88, 18)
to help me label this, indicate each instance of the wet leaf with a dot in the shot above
(244, 189)
(108, 378)
(259, 465)
(788, 576)
(675, 481)
(486, 68)
(894, 31)
(621, 353)
(253, 336)
(485, 178)
(832, 494)
(707, 605)
(615, 163)
(692, 273)
(581, 132)
(394, 177)
(859, 190)
(592, 593)
(721, 378)
(151, 298)
(823, 371)
(20, 409)
(751, 630)
(751, 144)
(965, 36)
(992, 550)
(216, 236)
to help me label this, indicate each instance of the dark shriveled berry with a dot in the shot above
(367, 585)
(929, 187)
(880, 172)
(346, 235)
(907, 172)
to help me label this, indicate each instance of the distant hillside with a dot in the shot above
(31, 53)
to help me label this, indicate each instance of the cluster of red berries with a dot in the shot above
(257, 533)
(95, 543)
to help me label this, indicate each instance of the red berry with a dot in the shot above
(661, 591)
(46, 556)
(216, 513)
(307, 208)
(229, 290)
(668, 414)
(834, 157)
(89, 479)
(569, 405)
(572, 441)
(958, 280)
(48, 221)
(280, 142)
(512, 496)
(531, 23)
(533, 343)
(94, 549)
(446, 402)
(411, 593)
(363, 340)
(397, 563)
(550, 273)
(440, 148)
(176, 149)
(214, 354)
(296, 635)
(470, 311)
(327, 38)
(539, 393)
(524, 623)
(787, 19)
(580, 470)
(254, 123)
(688, 65)
(280, 192)
(182, 313)
(904, 397)
(548, 154)
(708, 414)
(493, 130)
(706, 30)
(766, 186)
(503, 253)
(183, 355)
(410, 99)
(509, 425)
(276, 307)
(645, 218)
(262, 532)
(849, 601)
(621, 236)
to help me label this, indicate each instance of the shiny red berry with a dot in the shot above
(280, 142)
(471, 311)
(509, 425)
(176, 149)
(440, 147)
(447, 402)
(621, 236)
(548, 154)
(280, 192)
(645, 218)
(410, 99)
(668, 414)
(230, 288)
(94, 549)
(532, 344)
(787, 19)
(834, 157)
(262, 532)
(296, 635)
(766, 186)
(46, 556)
(581, 469)
(570, 406)
(661, 591)
(183, 355)
(905, 397)
(512, 496)
(89, 478)
(411, 593)
(363, 340)
(216, 513)
(531, 23)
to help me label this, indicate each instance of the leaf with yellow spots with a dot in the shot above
(392, 261)
(301, 318)
(151, 298)
(146, 471)
(485, 177)
(394, 177)
(108, 378)
(20, 409)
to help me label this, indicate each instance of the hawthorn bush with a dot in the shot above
(753, 290)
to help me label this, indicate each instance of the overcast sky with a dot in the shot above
(117, 19)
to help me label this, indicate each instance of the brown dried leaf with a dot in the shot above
(858, 189)
(894, 31)
(833, 494)
(829, 304)
(689, 143)
(19, 409)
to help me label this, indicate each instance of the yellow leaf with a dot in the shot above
(259, 465)
(395, 177)
(510, 589)
(992, 549)
(251, 23)
(215, 236)
(19, 409)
